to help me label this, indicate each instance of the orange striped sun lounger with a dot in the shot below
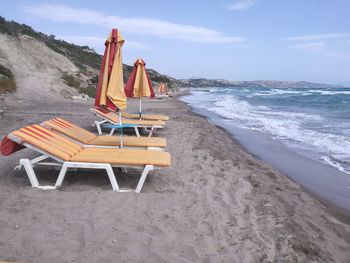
(151, 117)
(85, 137)
(60, 151)
(113, 118)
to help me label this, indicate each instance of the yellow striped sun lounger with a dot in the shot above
(61, 151)
(149, 126)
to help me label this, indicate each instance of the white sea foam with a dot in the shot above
(277, 92)
(341, 166)
(328, 92)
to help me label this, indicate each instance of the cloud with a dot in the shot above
(82, 40)
(137, 25)
(241, 5)
(97, 43)
(319, 48)
(311, 47)
(137, 45)
(317, 44)
(315, 37)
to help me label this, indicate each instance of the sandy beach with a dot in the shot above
(216, 203)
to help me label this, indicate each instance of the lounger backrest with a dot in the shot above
(48, 141)
(108, 115)
(71, 130)
(127, 115)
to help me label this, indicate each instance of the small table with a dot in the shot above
(113, 127)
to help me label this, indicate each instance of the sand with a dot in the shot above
(217, 203)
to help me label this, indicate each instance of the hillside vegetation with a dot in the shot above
(7, 80)
(81, 56)
(84, 58)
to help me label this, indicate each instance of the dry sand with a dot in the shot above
(216, 203)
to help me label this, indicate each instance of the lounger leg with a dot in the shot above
(61, 175)
(112, 179)
(30, 172)
(112, 131)
(137, 131)
(98, 126)
(151, 132)
(106, 167)
(143, 177)
(28, 166)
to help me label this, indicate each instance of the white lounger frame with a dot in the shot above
(147, 128)
(65, 165)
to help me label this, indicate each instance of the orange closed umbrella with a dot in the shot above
(139, 84)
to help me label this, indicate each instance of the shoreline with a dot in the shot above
(337, 210)
(215, 203)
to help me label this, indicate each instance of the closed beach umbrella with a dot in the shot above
(162, 87)
(139, 84)
(110, 88)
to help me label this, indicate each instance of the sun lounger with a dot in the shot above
(85, 137)
(113, 118)
(152, 117)
(161, 96)
(68, 154)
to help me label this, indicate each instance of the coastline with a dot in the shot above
(296, 167)
(216, 203)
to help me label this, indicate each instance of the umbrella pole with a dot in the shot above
(140, 109)
(121, 128)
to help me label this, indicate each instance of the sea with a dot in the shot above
(311, 123)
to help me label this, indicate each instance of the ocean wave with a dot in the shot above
(328, 92)
(288, 127)
(338, 164)
(231, 107)
(305, 131)
(281, 92)
(213, 90)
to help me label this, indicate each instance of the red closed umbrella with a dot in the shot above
(110, 87)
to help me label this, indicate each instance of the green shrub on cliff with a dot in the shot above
(7, 80)
(70, 80)
(74, 82)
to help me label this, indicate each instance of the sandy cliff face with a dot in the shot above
(36, 67)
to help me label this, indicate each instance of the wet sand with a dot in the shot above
(217, 203)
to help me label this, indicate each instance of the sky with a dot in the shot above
(295, 40)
